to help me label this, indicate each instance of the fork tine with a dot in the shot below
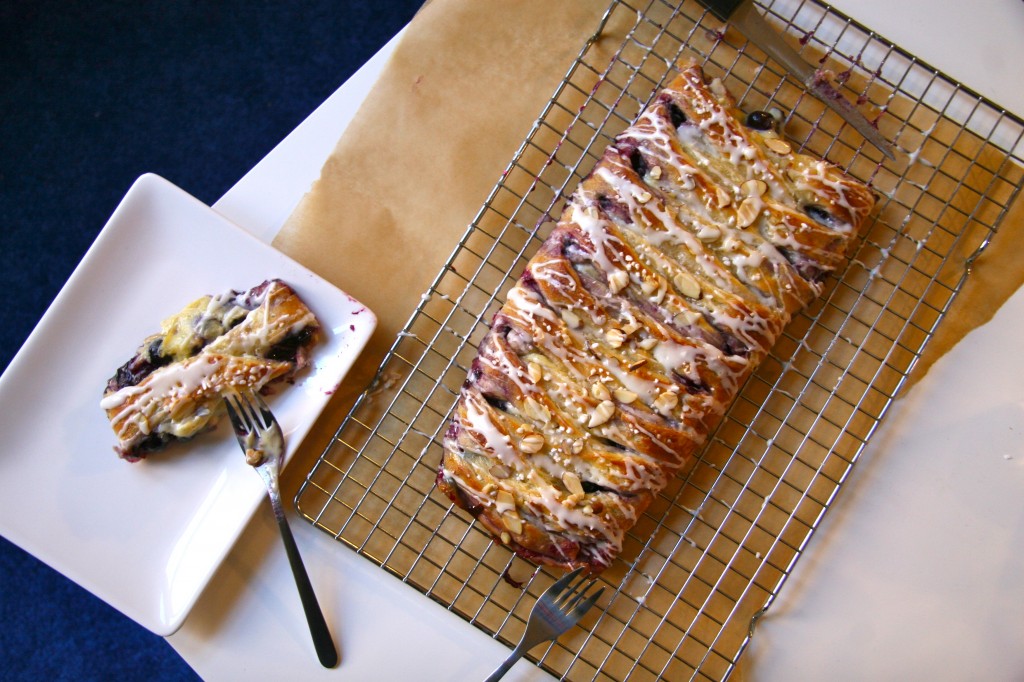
(580, 609)
(231, 408)
(578, 597)
(261, 414)
(560, 584)
(573, 590)
(235, 414)
(260, 404)
(247, 417)
(250, 409)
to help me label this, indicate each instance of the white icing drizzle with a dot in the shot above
(261, 329)
(596, 230)
(646, 389)
(548, 271)
(180, 390)
(501, 363)
(549, 501)
(478, 419)
(525, 303)
(173, 381)
(819, 174)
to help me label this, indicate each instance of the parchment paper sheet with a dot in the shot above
(456, 100)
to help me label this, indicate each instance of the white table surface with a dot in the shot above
(928, 607)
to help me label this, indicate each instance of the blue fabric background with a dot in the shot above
(92, 95)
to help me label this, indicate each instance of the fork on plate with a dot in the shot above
(558, 609)
(261, 439)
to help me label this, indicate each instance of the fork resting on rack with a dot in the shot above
(558, 609)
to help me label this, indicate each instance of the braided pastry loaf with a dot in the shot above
(672, 271)
(171, 389)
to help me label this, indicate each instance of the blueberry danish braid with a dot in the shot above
(171, 389)
(671, 272)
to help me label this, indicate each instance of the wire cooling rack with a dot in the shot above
(712, 552)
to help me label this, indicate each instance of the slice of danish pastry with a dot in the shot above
(171, 389)
(673, 269)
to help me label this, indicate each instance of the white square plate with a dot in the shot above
(146, 537)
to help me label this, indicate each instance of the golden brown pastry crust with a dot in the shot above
(673, 269)
(172, 388)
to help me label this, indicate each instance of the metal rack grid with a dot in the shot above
(713, 551)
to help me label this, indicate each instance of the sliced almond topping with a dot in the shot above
(754, 188)
(666, 402)
(505, 538)
(731, 243)
(708, 233)
(572, 483)
(601, 414)
(625, 396)
(717, 87)
(656, 172)
(571, 319)
(505, 499)
(631, 327)
(488, 489)
(615, 337)
(649, 286)
(499, 471)
(513, 522)
(659, 295)
(778, 146)
(722, 198)
(617, 281)
(577, 446)
(648, 343)
(643, 197)
(637, 364)
(536, 372)
(535, 411)
(600, 391)
(748, 211)
(686, 285)
(686, 317)
(532, 443)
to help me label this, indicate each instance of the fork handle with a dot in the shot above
(322, 642)
(506, 665)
